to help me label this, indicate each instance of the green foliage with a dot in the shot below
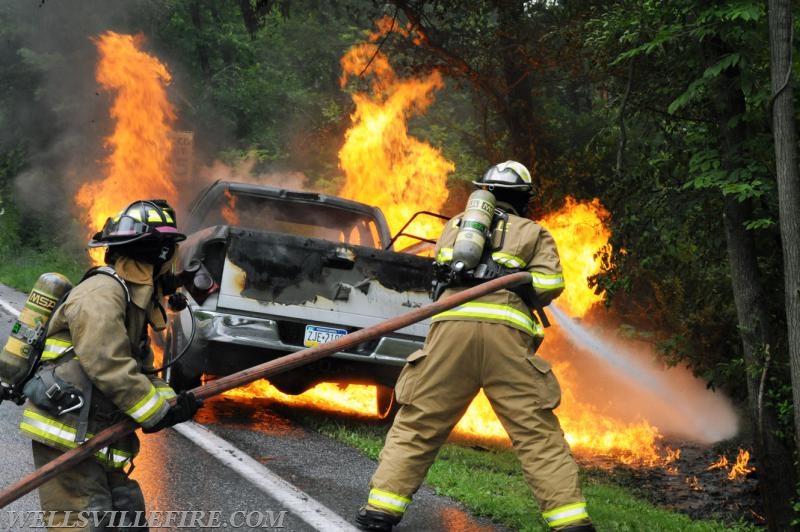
(748, 180)
(685, 153)
(273, 93)
(21, 263)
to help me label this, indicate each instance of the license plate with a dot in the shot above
(316, 335)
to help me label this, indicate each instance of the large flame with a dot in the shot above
(383, 164)
(140, 146)
(581, 234)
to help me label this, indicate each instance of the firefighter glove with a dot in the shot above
(184, 409)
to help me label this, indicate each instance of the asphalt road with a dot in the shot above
(244, 460)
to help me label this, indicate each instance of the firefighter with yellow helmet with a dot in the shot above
(487, 343)
(97, 369)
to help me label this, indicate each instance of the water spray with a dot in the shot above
(645, 378)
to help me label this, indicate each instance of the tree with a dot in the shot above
(258, 79)
(708, 81)
(780, 31)
(513, 57)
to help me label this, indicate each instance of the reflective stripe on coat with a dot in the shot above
(527, 246)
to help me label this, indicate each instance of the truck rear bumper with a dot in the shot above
(286, 336)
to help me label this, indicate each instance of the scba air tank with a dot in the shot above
(474, 230)
(15, 357)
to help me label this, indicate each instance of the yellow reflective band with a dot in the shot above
(55, 348)
(39, 425)
(547, 281)
(494, 312)
(153, 215)
(566, 514)
(508, 260)
(151, 403)
(388, 500)
(48, 429)
(444, 255)
(166, 392)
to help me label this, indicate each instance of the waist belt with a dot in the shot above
(49, 391)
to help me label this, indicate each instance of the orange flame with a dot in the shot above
(348, 399)
(229, 210)
(722, 463)
(738, 469)
(580, 234)
(672, 455)
(138, 165)
(383, 164)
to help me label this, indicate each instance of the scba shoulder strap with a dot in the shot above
(111, 272)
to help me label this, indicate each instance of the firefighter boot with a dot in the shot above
(579, 528)
(375, 520)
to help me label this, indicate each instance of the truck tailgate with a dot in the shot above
(321, 282)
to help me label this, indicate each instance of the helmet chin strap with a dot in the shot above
(166, 253)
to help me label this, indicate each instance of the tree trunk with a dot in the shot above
(776, 479)
(196, 15)
(518, 112)
(780, 32)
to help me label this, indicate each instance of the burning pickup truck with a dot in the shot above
(282, 270)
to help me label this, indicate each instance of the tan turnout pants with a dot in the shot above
(88, 487)
(438, 384)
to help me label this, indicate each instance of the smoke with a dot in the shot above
(242, 172)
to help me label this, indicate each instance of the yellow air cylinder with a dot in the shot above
(15, 357)
(475, 225)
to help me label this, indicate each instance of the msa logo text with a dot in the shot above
(41, 300)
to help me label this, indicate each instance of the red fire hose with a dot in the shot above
(273, 367)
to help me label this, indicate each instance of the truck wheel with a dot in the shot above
(176, 375)
(386, 402)
(291, 388)
(179, 381)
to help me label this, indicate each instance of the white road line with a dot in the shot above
(8, 308)
(296, 501)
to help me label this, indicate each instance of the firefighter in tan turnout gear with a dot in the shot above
(487, 343)
(97, 369)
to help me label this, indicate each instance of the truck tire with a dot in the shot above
(385, 402)
(290, 387)
(179, 380)
(176, 375)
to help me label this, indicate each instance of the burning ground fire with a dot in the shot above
(737, 469)
(384, 166)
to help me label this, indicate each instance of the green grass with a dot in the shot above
(490, 483)
(20, 268)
